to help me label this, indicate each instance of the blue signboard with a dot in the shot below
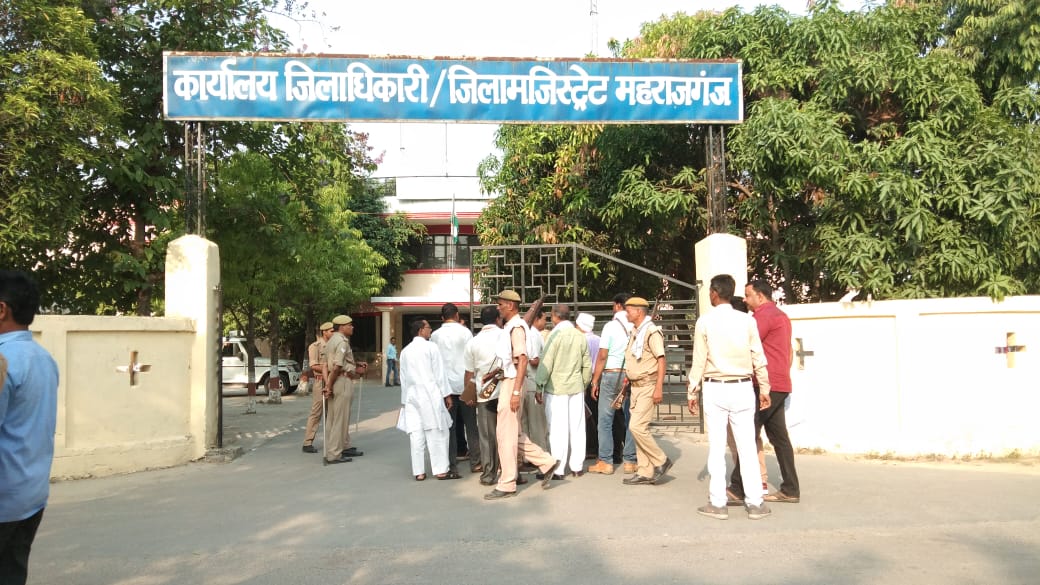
(272, 87)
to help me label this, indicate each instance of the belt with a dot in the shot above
(615, 370)
(731, 381)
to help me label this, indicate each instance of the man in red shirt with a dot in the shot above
(775, 330)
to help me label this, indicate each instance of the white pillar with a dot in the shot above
(720, 254)
(192, 280)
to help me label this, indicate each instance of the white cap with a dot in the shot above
(585, 322)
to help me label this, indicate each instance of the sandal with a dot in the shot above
(420, 477)
(449, 475)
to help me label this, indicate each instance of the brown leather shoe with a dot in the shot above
(779, 496)
(602, 467)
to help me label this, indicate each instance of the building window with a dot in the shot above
(441, 251)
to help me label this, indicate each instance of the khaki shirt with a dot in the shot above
(646, 365)
(316, 358)
(338, 353)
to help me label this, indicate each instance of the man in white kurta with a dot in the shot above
(425, 396)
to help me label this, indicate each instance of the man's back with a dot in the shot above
(726, 344)
(565, 367)
(481, 351)
(451, 339)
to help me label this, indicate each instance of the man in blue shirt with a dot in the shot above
(391, 363)
(28, 410)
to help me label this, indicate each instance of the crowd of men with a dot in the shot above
(519, 393)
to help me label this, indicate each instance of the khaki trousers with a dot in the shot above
(338, 411)
(314, 418)
(648, 453)
(512, 440)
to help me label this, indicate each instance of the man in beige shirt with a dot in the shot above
(726, 352)
(316, 363)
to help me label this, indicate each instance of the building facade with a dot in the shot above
(449, 208)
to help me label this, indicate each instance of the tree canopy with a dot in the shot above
(888, 150)
(92, 178)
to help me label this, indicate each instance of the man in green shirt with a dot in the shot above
(563, 373)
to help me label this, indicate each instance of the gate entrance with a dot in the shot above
(587, 279)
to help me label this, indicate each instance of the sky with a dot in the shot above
(472, 28)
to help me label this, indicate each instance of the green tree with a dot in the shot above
(56, 110)
(1000, 39)
(870, 158)
(389, 234)
(137, 199)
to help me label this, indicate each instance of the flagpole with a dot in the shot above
(454, 230)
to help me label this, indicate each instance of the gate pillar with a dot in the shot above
(720, 254)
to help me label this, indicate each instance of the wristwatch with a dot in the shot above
(516, 393)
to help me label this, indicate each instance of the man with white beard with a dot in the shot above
(426, 397)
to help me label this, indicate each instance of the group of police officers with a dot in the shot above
(333, 373)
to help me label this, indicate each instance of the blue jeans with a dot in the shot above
(391, 367)
(609, 386)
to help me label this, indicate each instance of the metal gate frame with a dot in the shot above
(555, 272)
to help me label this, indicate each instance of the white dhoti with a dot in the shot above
(566, 416)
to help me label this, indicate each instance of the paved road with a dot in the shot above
(276, 516)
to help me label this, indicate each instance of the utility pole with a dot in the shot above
(594, 16)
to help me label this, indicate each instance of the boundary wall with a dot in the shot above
(138, 393)
(951, 377)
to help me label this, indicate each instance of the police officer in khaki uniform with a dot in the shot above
(341, 371)
(645, 368)
(316, 359)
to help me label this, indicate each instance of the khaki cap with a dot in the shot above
(509, 295)
(325, 326)
(342, 320)
(637, 302)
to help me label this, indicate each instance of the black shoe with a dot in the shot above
(309, 449)
(488, 482)
(327, 461)
(352, 452)
(638, 480)
(497, 495)
(555, 476)
(548, 475)
(663, 469)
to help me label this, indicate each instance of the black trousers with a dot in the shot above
(16, 539)
(774, 422)
(453, 443)
(467, 435)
